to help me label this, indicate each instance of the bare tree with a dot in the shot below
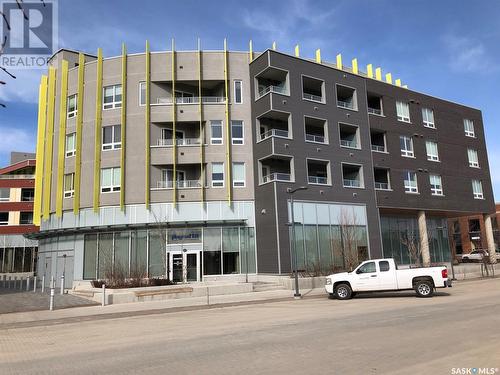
(349, 237)
(410, 240)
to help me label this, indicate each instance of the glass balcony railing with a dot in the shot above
(315, 98)
(192, 100)
(181, 184)
(179, 142)
(348, 143)
(351, 183)
(318, 180)
(381, 185)
(274, 133)
(344, 104)
(315, 138)
(378, 148)
(263, 90)
(277, 177)
(375, 111)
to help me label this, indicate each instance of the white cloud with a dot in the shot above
(467, 54)
(22, 89)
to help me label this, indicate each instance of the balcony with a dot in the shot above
(377, 141)
(187, 92)
(179, 142)
(318, 172)
(315, 130)
(273, 124)
(382, 181)
(352, 176)
(187, 176)
(186, 134)
(346, 98)
(274, 169)
(349, 136)
(286, 177)
(181, 184)
(375, 104)
(313, 89)
(272, 80)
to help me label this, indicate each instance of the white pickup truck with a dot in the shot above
(377, 275)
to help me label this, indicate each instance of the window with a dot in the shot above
(473, 158)
(237, 132)
(477, 189)
(436, 184)
(428, 118)
(313, 89)
(469, 128)
(318, 172)
(4, 218)
(216, 132)
(112, 97)
(217, 174)
(238, 92)
(346, 97)
(26, 218)
(70, 145)
(69, 185)
(142, 93)
(4, 194)
(383, 265)
(72, 105)
(432, 150)
(367, 268)
(27, 195)
(110, 179)
(403, 111)
(411, 182)
(239, 174)
(349, 136)
(406, 144)
(111, 137)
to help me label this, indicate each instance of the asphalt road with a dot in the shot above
(376, 334)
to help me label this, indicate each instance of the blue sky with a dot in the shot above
(448, 49)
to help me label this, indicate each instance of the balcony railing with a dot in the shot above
(178, 141)
(312, 97)
(378, 148)
(274, 133)
(17, 176)
(315, 138)
(343, 104)
(351, 183)
(192, 100)
(277, 177)
(348, 143)
(375, 111)
(181, 184)
(318, 180)
(381, 185)
(276, 89)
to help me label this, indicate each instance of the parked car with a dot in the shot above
(383, 275)
(474, 256)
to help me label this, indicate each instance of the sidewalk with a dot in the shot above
(76, 314)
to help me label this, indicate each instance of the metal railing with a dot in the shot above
(181, 184)
(179, 142)
(347, 143)
(277, 177)
(192, 100)
(351, 183)
(315, 138)
(378, 148)
(17, 176)
(274, 133)
(277, 89)
(312, 97)
(381, 185)
(375, 111)
(317, 180)
(343, 104)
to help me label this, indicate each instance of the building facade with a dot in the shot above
(17, 193)
(181, 164)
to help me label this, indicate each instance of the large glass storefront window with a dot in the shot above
(230, 250)
(90, 256)
(247, 250)
(105, 255)
(212, 251)
(120, 267)
(138, 254)
(157, 253)
(17, 259)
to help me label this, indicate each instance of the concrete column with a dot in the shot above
(424, 239)
(489, 238)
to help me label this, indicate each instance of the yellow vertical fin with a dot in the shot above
(369, 70)
(398, 82)
(49, 143)
(79, 124)
(40, 149)
(355, 66)
(297, 51)
(274, 46)
(147, 116)
(123, 115)
(97, 132)
(388, 78)
(228, 126)
(378, 74)
(63, 102)
(318, 56)
(250, 50)
(174, 127)
(200, 113)
(339, 61)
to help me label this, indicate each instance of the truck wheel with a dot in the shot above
(343, 291)
(424, 289)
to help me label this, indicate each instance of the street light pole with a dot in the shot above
(297, 294)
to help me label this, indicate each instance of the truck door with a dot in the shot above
(386, 276)
(366, 277)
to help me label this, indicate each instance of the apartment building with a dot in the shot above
(17, 192)
(182, 164)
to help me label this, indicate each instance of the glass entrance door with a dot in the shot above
(184, 266)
